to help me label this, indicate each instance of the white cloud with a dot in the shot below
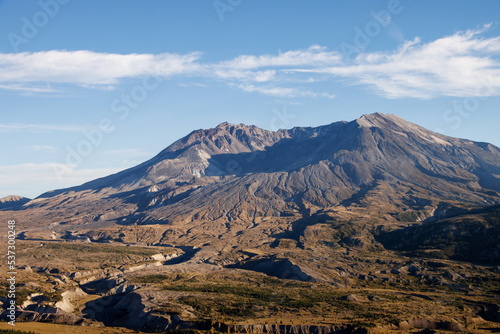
(87, 67)
(460, 65)
(463, 64)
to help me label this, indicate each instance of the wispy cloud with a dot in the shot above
(312, 57)
(460, 65)
(463, 64)
(283, 91)
(87, 68)
(44, 148)
(273, 74)
(28, 89)
(24, 127)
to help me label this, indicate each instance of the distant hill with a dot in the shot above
(12, 202)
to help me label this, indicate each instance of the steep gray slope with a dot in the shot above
(186, 158)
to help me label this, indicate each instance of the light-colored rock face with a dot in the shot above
(11, 198)
(158, 257)
(403, 128)
(69, 297)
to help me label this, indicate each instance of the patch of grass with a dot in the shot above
(151, 279)
(54, 296)
(287, 243)
(242, 291)
(240, 298)
(488, 283)
(237, 300)
(169, 309)
(81, 256)
(98, 248)
(408, 216)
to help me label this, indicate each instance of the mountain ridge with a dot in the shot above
(235, 178)
(215, 139)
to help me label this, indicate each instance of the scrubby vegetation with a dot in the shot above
(472, 237)
(82, 256)
(239, 298)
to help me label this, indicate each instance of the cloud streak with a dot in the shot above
(90, 68)
(463, 64)
(312, 57)
(23, 127)
(44, 148)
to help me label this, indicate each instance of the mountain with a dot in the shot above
(12, 202)
(265, 186)
(377, 220)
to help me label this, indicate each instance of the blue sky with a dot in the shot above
(88, 87)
